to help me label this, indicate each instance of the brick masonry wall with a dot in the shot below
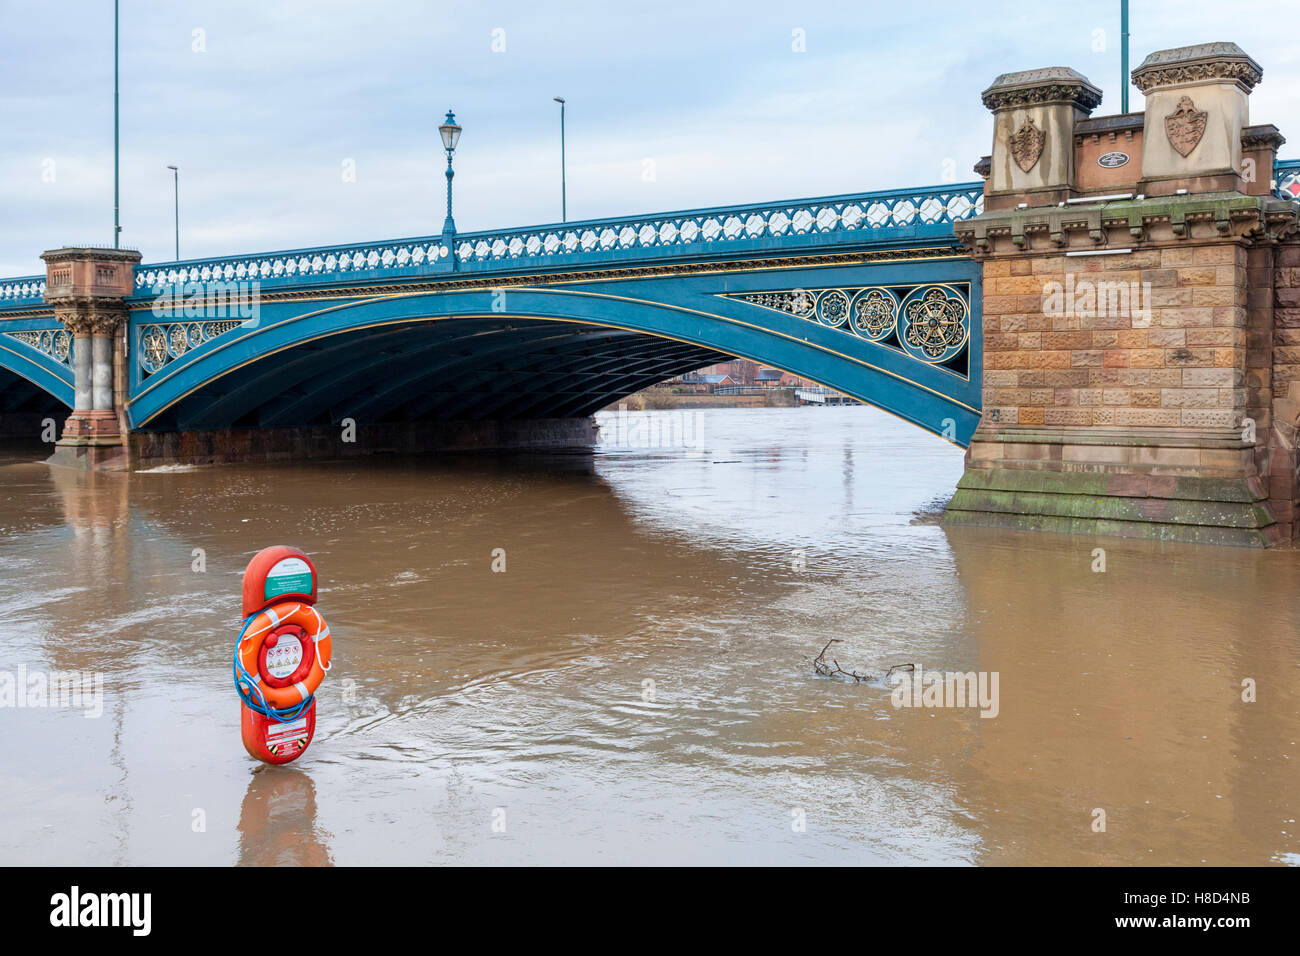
(1184, 366)
(1285, 381)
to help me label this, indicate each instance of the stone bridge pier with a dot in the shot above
(87, 288)
(1141, 316)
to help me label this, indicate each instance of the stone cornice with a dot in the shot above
(77, 253)
(1259, 137)
(1050, 86)
(1130, 223)
(1206, 62)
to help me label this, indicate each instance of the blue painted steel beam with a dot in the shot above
(355, 361)
(354, 392)
(226, 403)
(398, 392)
(596, 397)
(498, 390)
(612, 375)
(587, 377)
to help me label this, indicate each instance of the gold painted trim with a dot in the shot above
(45, 312)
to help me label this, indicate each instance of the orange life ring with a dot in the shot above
(280, 678)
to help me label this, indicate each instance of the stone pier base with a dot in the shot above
(224, 446)
(1201, 488)
(91, 457)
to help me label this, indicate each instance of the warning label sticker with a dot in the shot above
(278, 734)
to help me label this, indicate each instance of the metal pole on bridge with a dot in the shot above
(1123, 56)
(117, 225)
(176, 205)
(450, 133)
(564, 211)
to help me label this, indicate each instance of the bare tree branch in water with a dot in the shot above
(833, 669)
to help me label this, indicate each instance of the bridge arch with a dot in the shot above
(31, 381)
(521, 352)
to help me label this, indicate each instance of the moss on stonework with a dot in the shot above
(1234, 490)
(1152, 531)
(1114, 508)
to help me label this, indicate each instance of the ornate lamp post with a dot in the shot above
(450, 132)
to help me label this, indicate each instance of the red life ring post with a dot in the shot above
(282, 656)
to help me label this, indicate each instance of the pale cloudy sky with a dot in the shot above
(264, 105)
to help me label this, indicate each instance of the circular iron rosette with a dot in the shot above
(153, 348)
(933, 323)
(833, 308)
(874, 314)
(178, 340)
(61, 346)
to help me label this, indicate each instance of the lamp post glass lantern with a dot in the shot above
(450, 133)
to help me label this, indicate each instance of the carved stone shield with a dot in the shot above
(1027, 144)
(1185, 126)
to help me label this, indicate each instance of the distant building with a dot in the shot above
(774, 377)
(742, 371)
(704, 383)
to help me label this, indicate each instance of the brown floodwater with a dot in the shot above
(637, 686)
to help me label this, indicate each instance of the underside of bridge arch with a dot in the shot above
(25, 406)
(470, 369)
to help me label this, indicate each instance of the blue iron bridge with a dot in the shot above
(869, 294)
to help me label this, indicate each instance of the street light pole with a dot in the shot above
(564, 211)
(450, 133)
(176, 183)
(117, 225)
(1123, 56)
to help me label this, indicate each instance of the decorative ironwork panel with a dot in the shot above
(875, 313)
(56, 343)
(934, 323)
(1287, 175)
(929, 322)
(163, 342)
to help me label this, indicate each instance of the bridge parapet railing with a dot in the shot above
(701, 228)
(863, 218)
(894, 215)
(24, 290)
